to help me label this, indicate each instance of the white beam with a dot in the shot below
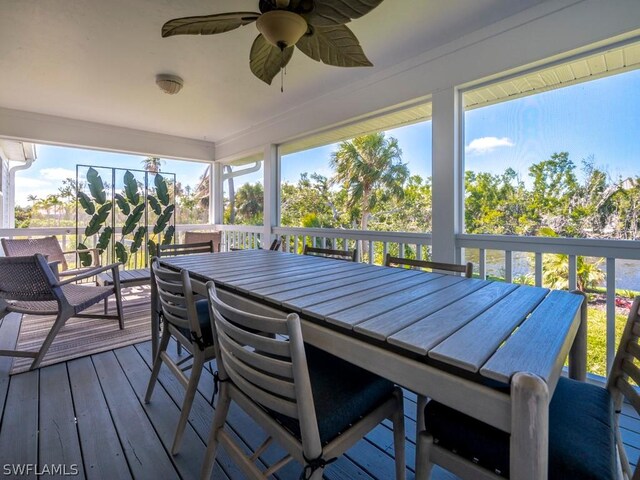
(270, 215)
(39, 128)
(216, 204)
(447, 175)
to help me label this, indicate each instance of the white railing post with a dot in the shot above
(611, 311)
(508, 266)
(538, 269)
(573, 272)
(482, 264)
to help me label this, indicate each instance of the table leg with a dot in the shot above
(155, 317)
(578, 353)
(529, 444)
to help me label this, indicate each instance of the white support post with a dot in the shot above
(216, 194)
(270, 216)
(447, 204)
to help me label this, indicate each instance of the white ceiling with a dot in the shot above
(96, 60)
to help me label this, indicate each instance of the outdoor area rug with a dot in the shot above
(85, 336)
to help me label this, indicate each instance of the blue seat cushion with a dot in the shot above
(342, 394)
(202, 309)
(581, 434)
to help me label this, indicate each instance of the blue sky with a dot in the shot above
(54, 164)
(599, 118)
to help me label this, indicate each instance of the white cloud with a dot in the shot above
(57, 174)
(487, 144)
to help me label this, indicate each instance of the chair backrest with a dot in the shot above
(176, 249)
(276, 244)
(200, 237)
(625, 376)
(466, 270)
(349, 255)
(27, 278)
(175, 295)
(47, 246)
(265, 359)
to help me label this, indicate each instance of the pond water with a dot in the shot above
(627, 271)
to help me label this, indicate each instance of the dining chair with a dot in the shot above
(28, 285)
(313, 404)
(176, 249)
(50, 248)
(276, 244)
(349, 255)
(450, 268)
(584, 435)
(188, 321)
(199, 237)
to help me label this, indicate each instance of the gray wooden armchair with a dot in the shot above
(348, 255)
(315, 405)
(50, 248)
(187, 320)
(29, 286)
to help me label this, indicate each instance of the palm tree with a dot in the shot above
(249, 201)
(152, 164)
(370, 168)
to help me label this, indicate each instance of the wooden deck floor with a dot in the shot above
(89, 413)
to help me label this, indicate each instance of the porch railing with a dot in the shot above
(537, 247)
(67, 238)
(373, 246)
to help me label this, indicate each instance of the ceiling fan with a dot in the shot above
(316, 27)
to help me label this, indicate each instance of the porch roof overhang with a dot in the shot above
(85, 77)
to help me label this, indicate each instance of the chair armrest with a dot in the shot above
(91, 273)
(95, 255)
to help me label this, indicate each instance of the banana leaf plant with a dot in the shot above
(99, 209)
(131, 209)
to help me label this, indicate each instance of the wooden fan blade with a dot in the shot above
(335, 45)
(339, 12)
(208, 24)
(266, 60)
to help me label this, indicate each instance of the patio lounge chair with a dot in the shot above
(188, 321)
(584, 437)
(349, 255)
(50, 248)
(313, 404)
(28, 285)
(199, 237)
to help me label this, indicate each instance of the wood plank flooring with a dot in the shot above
(89, 414)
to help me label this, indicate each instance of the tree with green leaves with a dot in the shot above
(249, 203)
(370, 169)
(152, 164)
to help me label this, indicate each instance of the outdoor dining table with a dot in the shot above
(489, 349)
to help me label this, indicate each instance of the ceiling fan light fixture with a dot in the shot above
(281, 28)
(169, 84)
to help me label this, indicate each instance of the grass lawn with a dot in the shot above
(597, 339)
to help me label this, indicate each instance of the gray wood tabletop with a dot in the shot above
(492, 329)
